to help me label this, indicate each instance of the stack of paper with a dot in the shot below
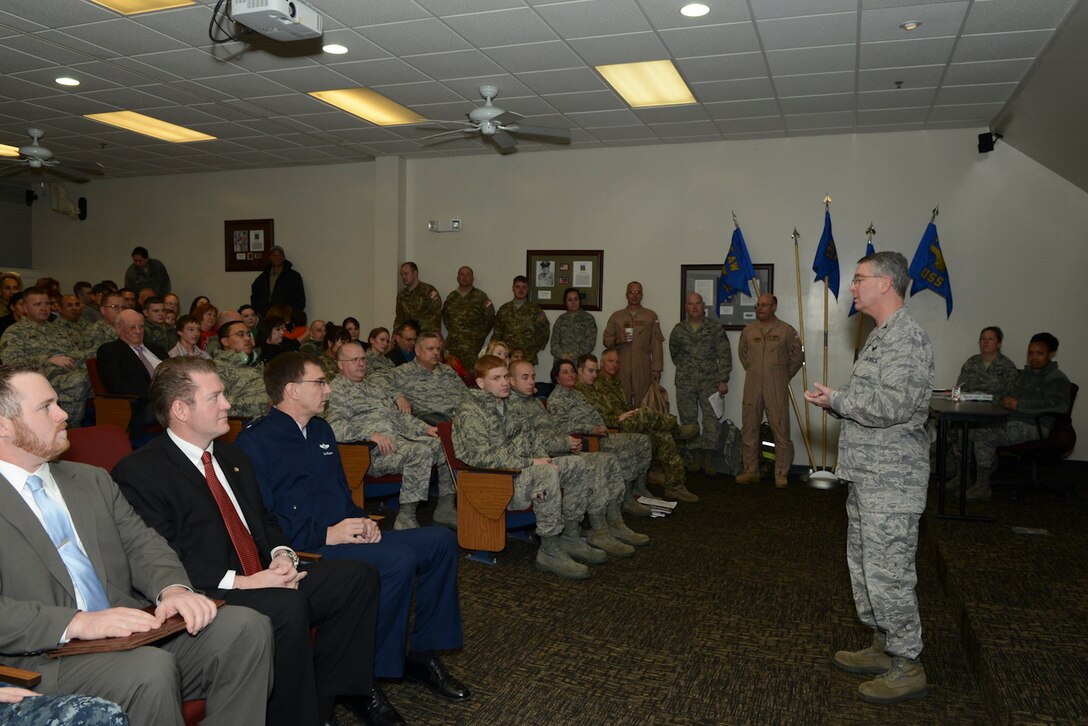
(658, 507)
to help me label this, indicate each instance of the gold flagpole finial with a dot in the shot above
(827, 200)
(936, 211)
(735, 222)
(871, 231)
(795, 235)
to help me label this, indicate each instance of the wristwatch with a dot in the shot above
(290, 554)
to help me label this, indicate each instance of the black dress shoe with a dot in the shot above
(374, 710)
(434, 675)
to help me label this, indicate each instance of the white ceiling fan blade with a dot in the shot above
(507, 117)
(504, 141)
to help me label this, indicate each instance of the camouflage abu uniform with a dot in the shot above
(243, 384)
(378, 364)
(95, 335)
(577, 416)
(599, 474)
(423, 305)
(161, 334)
(483, 436)
(883, 454)
(469, 318)
(74, 331)
(996, 377)
(703, 359)
(573, 335)
(609, 399)
(357, 411)
(522, 326)
(434, 395)
(34, 344)
(49, 709)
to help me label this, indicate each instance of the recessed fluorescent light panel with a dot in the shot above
(6, 150)
(651, 83)
(132, 121)
(132, 7)
(370, 106)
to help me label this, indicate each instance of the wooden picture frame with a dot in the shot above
(246, 244)
(550, 272)
(735, 312)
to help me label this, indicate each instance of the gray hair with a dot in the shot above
(892, 264)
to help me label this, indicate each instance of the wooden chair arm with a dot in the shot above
(19, 677)
(309, 556)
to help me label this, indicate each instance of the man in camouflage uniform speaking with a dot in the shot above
(418, 301)
(469, 317)
(770, 351)
(606, 395)
(484, 433)
(542, 434)
(521, 323)
(48, 347)
(884, 457)
(700, 350)
(361, 407)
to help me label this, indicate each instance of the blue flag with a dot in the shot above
(868, 251)
(737, 269)
(928, 270)
(826, 264)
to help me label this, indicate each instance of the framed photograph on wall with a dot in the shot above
(734, 312)
(550, 272)
(247, 242)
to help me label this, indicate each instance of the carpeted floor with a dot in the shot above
(732, 612)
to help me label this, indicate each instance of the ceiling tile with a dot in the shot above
(245, 85)
(896, 98)
(742, 90)
(12, 61)
(665, 15)
(189, 25)
(593, 119)
(750, 125)
(764, 9)
(809, 31)
(883, 79)
(982, 112)
(893, 54)
(287, 105)
(687, 128)
(456, 64)
(802, 60)
(587, 18)
(722, 67)
(46, 78)
(811, 84)
(840, 120)
(563, 81)
(379, 72)
(57, 15)
(620, 49)
(1010, 71)
(937, 20)
(13, 88)
(412, 93)
(304, 80)
(124, 37)
(622, 133)
(999, 16)
(414, 37)
(46, 49)
(442, 8)
(147, 71)
(509, 87)
(353, 13)
(189, 63)
(988, 93)
(742, 109)
(817, 104)
(1000, 46)
(501, 27)
(535, 57)
(588, 101)
(672, 114)
(711, 40)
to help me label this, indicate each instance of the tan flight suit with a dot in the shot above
(640, 357)
(771, 355)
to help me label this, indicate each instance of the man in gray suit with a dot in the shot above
(77, 562)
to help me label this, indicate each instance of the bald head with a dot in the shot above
(695, 308)
(766, 306)
(130, 327)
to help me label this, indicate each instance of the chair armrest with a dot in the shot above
(309, 556)
(19, 677)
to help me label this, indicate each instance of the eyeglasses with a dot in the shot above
(350, 360)
(112, 307)
(242, 334)
(856, 280)
(321, 382)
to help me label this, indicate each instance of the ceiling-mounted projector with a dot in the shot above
(278, 19)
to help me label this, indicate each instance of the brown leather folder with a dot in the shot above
(173, 624)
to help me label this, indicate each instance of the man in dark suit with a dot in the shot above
(76, 562)
(203, 498)
(302, 482)
(125, 367)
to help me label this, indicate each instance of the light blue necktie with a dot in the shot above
(59, 527)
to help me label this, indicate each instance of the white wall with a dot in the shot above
(1012, 232)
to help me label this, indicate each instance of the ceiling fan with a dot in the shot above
(35, 159)
(491, 123)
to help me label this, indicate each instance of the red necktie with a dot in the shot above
(239, 535)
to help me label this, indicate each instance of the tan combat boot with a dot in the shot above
(679, 491)
(748, 477)
(686, 432)
(980, 492)
(445, 513)
(406, 516)
(601, 537)
(572, 543)
(551, 558)
(867, 660)
(708, 463)
(781, 481)
(621, 531)
(631, 505)
(905, 680)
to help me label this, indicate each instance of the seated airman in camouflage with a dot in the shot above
(484, 436)
(575, 415)
(425, 386)
(542, 435)
(361, 407)
(37, 342)
(241, 370)
(102, 330)
(606, 394)
(155, 328)
(71, 322)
